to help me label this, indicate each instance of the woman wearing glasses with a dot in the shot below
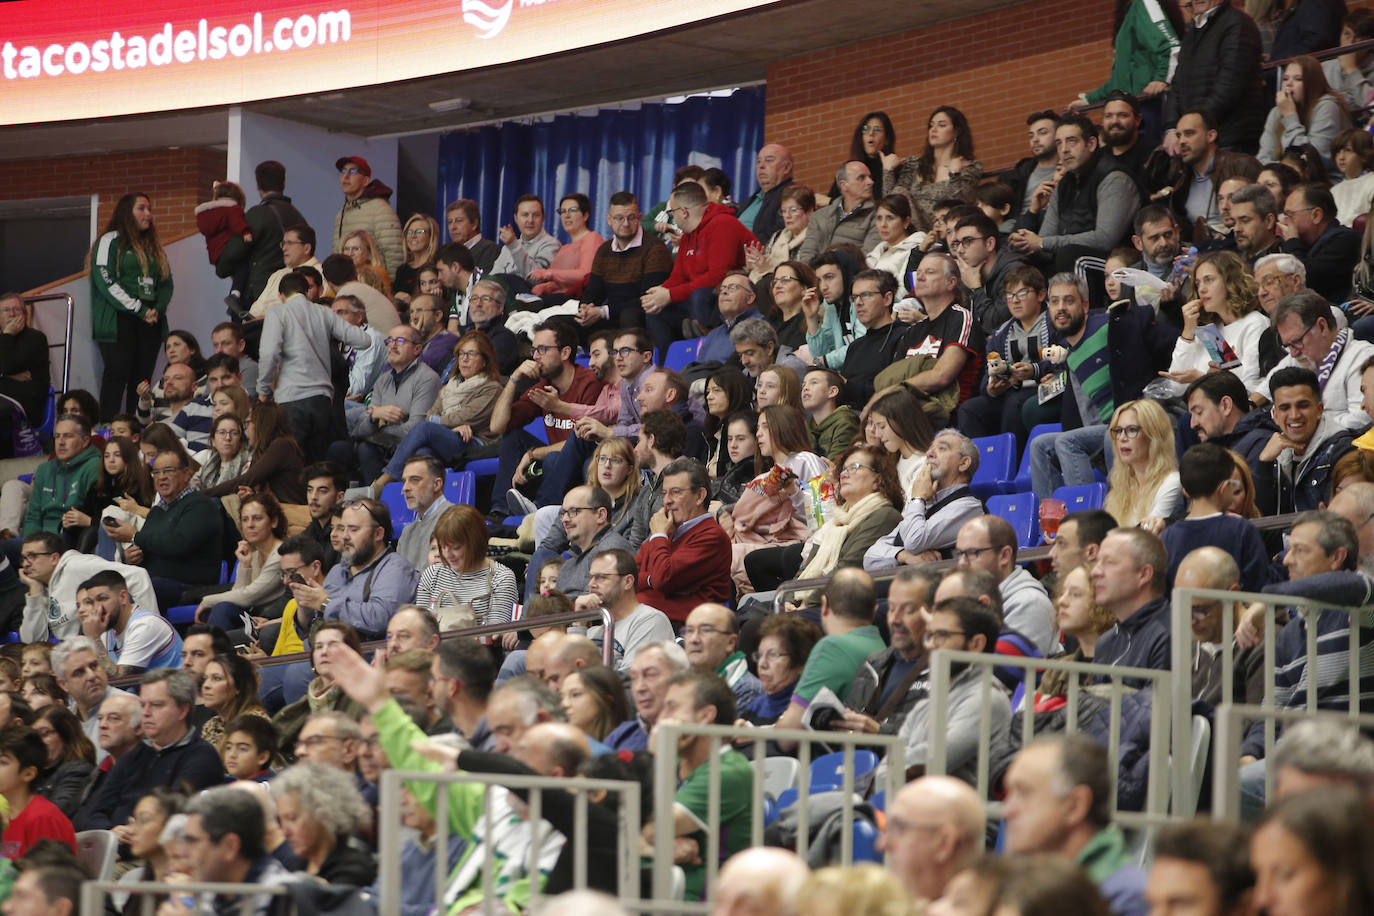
(1228, 301)
(785, 643)
(898, 238)
(362, 249)
(229, 452)
(277, 463)
(422, 241)
(772, 510)
(796, 204)
(1143, 486)
(872, 144)
(461, 414)
(869, 506)
(794, 287)
(567, 273)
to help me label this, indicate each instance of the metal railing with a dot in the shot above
(486, 629)
(1156, 808)
(66, 344)
(93, 892)
(665, 739)
(389, 836)
(1232, 721)
(1305, 694)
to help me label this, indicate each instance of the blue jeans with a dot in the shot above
(1065, 459)
(1252, 790)
(427, 438)
(666, 326)
(564, 469)
(514, 444)
(227, 616)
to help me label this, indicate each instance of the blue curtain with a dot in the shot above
(635, 149)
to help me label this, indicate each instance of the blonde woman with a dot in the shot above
(421, 241)
(777, 385)
(362, 249)
(855, 890)
(1143, 487)
(1228, 299)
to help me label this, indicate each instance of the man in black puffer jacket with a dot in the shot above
(1219, 71)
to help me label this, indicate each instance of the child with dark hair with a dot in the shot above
(31, 817)
(1208, 475)
(250, 748)
(219, 220)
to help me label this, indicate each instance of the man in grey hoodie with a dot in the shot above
(988, 542)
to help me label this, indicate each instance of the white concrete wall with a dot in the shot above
(309, 154)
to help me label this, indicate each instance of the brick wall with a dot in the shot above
(175, 179)
(996, 68)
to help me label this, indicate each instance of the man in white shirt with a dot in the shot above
(611, 585)
(52, 575)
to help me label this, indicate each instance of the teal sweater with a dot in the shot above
(1142, 53)
(57, 487)
(120, 285)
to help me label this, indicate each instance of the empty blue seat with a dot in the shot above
(483, 467)
(460, 487)
(182, 614)
(1022, 483)
(681, 352)
(828, 770)
(865, 842)
(1022, 511)
(1085, 496)
(49, 415)
(26, 478)
(996, 465)
(395, 503)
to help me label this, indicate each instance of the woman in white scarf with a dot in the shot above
(869, 497)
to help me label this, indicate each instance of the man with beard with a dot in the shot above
(1306, 328)
(1254, 223)
(1219, 412)
(486, 310)
(325, 483)
(549, 375)
(1121, 133)
(887, 685)
(370, 581)
(436, 344)
(1089, 209)
(1156, 238)
(1111, 357)
(1195, 196)
(1040, 166)
(623, 269)
(983, 265)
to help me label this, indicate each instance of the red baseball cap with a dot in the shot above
(358, 161)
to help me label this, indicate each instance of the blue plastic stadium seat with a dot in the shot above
(483, 467)
(182, 614)
(1085, 496)
(460, 487)
(49, 415)
(396, 504)
(996, 465)
(682, 352)
(828, 770)
(1022, 511)
(1022, 483)
(879, 800)
(26, 478)
(865, 842)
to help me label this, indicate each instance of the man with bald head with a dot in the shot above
(1356, 504)
(1212, 567)
(760, 881)
(178, 388)
(411, 627)
(537, 655)
(552, 749)
(711, 638)
(934, 830)
(761, 213)
(567, 655)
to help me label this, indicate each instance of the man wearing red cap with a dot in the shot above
(365, 207)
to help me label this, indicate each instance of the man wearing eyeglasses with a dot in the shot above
(586, 518)
(401, 398)
(51, 574)
(611, 585)
(297, 249)
(685, 561)
(735, 302)
(872, 295)
(989, 543)
(625, 267)
(485, 303)
(1327, 249)
(983, 265)
(710, 637)
(847, 218)
(713, 242)
(365, 207)
(179, 543)
(1306, 328)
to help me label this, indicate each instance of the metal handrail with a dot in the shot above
(66, 344)
(486, 629)
(93, 892)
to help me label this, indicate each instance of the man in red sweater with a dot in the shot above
(713, 242)
(31, 817)
(685, 561)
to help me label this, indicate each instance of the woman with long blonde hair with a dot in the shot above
(1143, 487)
(131, 286)
(421, 241)
(1228, 300)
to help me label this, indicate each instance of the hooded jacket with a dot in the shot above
(1027, 609)
(371, 212)
(59, 486)
(715, 246)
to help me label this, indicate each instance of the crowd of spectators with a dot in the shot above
(1186, 289)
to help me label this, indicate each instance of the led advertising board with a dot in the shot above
(62, 60)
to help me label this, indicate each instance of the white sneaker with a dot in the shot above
(518, 503)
